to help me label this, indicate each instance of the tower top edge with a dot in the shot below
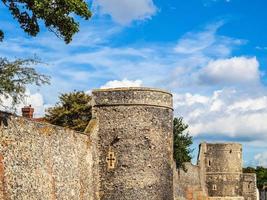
(134, 96)
(221, 143)
(132, 89)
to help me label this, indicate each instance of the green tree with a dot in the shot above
(16, 75)
(261, 174)
(57, 15)
(249, 170)
(73, 111)
(181, 143)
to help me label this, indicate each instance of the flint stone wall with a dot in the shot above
(217, 175)
(226, 198)
(187, 184)
(249, 186)
(224, 169)
(39, 161)
(135, 125)
(224, 157)
(263, 194)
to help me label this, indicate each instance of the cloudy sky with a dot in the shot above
(211, 54)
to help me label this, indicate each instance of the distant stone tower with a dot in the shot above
(222, 169)
(134, 143)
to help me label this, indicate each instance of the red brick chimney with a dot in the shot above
(27, 111)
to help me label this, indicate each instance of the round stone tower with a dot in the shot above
(134, 143)
(223, 169)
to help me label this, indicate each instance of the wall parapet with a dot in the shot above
(226, 198)
(132, 97)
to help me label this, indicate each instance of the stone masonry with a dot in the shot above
(125, 153)
(223, 169)
(134, 143)
(39, 161)
(219, 172)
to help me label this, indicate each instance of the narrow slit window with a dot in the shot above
(214, 187)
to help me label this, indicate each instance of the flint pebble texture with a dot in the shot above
(249, 186)
(226, 198)
(136, 125)
(224, 169)
(39, 161)
(125, 153)
(188, 183)
(217, 175)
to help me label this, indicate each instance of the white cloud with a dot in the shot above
(122, 83)
(207, 42)
(261, 159)
(232, 70)
(126, 11)
(194, 51)
(189, 99)
(261, 48)
(224, 108)
(36, 100)
(228, 113)
(249, 104)
(211, 2)
(196, 41)
(213, 108)
(85, 63)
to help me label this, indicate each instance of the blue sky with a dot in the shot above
(211, 54)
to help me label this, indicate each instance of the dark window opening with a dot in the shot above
(214, 187)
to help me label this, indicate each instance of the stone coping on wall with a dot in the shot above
(249, 176)
(226, 198)
(132, 88)
(234, 147)
(211, 173)
(223, 143)
(132, 96)
(21, 119)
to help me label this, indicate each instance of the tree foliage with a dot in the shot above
(16, 75)
(57, 15)
(261, 174)
(181, 143)
(73, 111)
